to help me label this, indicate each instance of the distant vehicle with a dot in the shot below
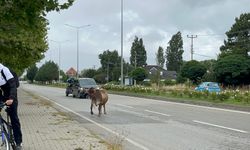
(208, 86)
(81, 86)
(69, 89)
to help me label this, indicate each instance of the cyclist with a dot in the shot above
(8, 94)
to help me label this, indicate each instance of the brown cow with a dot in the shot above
(98, 97)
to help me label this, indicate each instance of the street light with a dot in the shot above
(77, 34)
(59, 55)
(121, 42)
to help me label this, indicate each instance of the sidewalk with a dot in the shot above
(46, 128)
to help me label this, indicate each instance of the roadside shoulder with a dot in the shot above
(45, 127)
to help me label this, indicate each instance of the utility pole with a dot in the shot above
(135, 66)
(192, 46)
(135, 60)
(121, 42)
(108, 72)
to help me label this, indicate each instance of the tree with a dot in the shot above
(47, 72)
(233, 70)
(23, 31)
(139, 74)
(209, 75)
(110, 61)
(31, 72)
(233, 65)
(100, 78)
(138, 54)
(127, 68)
(238, 37)
(88, 73)
(156, 77)
(174, 53)
(64, 77)
(193, 70)
(160, 59)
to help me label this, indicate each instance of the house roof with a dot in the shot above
(164, 73)
(154, 68)
(71, 71)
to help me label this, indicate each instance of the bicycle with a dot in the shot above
(6, 131)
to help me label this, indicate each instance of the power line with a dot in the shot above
(226, 33)
(204, 55)
(211, 35)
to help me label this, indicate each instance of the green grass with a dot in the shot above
(183, 98)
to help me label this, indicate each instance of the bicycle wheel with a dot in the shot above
(5, 145)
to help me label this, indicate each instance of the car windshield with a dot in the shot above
(209, 84)
(213, 84)
(87, 83)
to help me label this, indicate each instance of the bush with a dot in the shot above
(213, 96)
(223, 96)
(236, 95)
(146, 83)
(169, 82)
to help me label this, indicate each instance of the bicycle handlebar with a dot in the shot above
(2, 105)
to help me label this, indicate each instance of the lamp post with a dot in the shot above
(77, 34)
(121, 42)
(59, 56)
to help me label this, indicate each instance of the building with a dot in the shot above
(71, 72)
(164, 74)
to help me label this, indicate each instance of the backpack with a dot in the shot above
(14, 75)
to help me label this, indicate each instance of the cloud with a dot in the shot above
(155, 21)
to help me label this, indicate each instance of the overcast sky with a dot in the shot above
(155, 21)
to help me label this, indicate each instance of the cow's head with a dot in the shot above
(91, 92)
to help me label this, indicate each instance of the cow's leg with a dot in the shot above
(91, 107)
(100, 109)
(104, 109)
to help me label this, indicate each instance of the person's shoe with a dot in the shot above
(19, 147)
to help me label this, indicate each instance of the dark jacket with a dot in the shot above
(9, 90)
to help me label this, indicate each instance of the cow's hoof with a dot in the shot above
(91, 113)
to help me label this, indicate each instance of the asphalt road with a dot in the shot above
(139, 123)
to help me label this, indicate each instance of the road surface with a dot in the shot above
(145, 124)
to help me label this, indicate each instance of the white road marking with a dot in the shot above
(105, 128)
(218, 126)
(124, 105)
(191, 105)
(157, 113)
(142, 115)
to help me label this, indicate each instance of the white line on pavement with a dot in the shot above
(124, 105)
(223, 127)
(105, 128)
(191, 105)
(142, 115)
(157, 113)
